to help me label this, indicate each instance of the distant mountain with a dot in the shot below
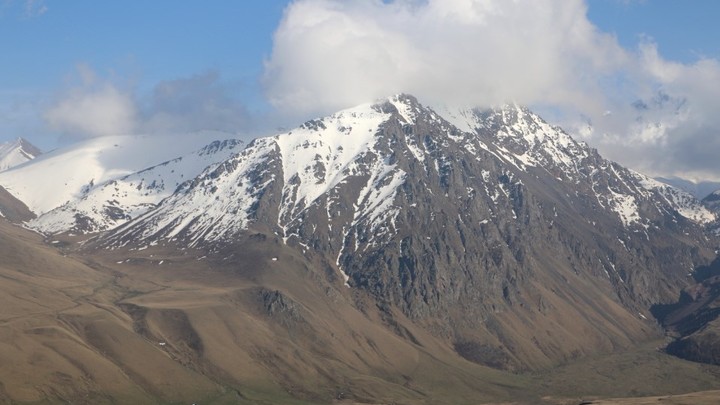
(482, 225)
(17, 152)
(103, 206)
(62, 179)
(700, 190)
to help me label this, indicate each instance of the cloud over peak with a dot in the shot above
(331, 54)
(93, 109)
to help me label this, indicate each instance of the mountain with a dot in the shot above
(107, 180)
(493, 230)
(17, 152)
(699, 189)
(388, 253)
(103, 206)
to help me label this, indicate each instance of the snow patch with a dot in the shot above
(625, 207)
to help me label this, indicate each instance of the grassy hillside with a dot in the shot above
(259, 325)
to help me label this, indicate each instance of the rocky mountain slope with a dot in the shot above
(694, 320)
(17, 152)
(265, 326)
(491, 229)
(91, 331)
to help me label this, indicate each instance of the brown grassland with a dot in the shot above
(166, 326)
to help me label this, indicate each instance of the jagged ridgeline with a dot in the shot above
(496, 232)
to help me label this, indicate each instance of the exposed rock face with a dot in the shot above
(493, 229)
(13, 209)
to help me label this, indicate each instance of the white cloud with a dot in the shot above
(96, 106)
(331, 54)
(93, 108)
(673, 127)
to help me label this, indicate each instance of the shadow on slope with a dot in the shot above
(693, 319)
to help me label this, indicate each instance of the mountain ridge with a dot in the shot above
(451, 227)
(80, 172)
(700, 189)
(561, 161)
(104, 206)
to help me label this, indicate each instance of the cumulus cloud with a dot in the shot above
(96, 106)
(329, 54)
(672, 126)
(93, 108)
(636, 106)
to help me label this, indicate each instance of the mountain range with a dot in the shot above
(466, 237)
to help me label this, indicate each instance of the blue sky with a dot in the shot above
(185, 65)
(133, 44)
(145, 41)
(683, 30)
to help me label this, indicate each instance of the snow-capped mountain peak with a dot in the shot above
(318, 154)
(105, 205)
(353, 163)
(359, 158)
(17, 152)
(300, 167)
(524, 139)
